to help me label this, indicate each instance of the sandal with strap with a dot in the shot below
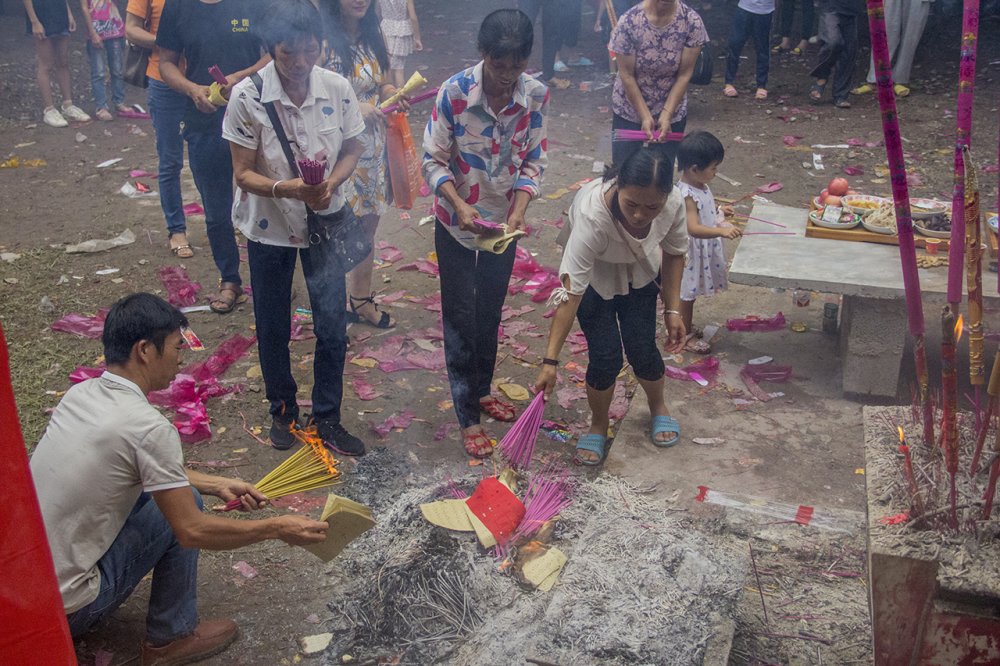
(816, 91)
(353, 317)
(478, 445)
(591, 443)
(729, 90)
(497, 409)
(665, 424)
(228, 303)
(184, 251)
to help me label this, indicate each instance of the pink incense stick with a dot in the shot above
(639, 135)
(518, 445)
(413, 100)
(486, 224)
(901, 199)
(963, 133)
(312, 171)
(757, 219)
(217, 75)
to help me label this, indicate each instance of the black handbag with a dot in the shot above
(137, 57)
(702, 75)
(343, 230)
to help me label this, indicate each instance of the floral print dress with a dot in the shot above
(367, 189)
(705, 272)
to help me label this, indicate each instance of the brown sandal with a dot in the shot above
(184, 251)
(478, 445)
(497, 409)
(228, 302)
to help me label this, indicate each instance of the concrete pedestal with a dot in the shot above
(872, 335)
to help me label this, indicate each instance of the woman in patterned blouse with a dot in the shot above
(657, 43)
(484, 154)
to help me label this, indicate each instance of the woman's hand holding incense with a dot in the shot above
(371, 114)
(663, 125)
(648, 126)
(299, 530)
(730, 232)
(546, 380)
(467, 216)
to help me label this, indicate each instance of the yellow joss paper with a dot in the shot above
(514, 391)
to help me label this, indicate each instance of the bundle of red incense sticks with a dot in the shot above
(312, 171)
(518, 445)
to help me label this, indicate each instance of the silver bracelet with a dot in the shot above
(673, 312)
(274, 193)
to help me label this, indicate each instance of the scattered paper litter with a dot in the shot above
(100, 244)
(760, 360)
(106, 271)
(196, 308)
(244, 569)
(708, 440)
(315, 644)
(111, 162)
(132, 192)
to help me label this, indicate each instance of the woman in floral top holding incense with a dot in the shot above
(484, 154)
(657, 43)
(357, 52)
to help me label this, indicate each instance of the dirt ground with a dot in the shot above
(804, 448)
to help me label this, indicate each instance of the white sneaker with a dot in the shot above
(53, 118)
(73, 112)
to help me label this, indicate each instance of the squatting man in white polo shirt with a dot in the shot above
(118, 502)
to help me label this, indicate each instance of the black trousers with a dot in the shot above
(473, 291)
(560, 27)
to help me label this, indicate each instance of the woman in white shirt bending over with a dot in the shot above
(626, 246)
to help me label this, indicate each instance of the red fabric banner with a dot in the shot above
(31, 610)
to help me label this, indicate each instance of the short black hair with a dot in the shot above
(289, 22)
(138, 317)
(700, 150)
(506, 33)
(650, 165)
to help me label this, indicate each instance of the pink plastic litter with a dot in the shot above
(752, 374)
(757, 324)
(424, 190)
(707, 368)
(193, 208)
(364, 390)
(388, 253)
(770, 187)
(518, 445)
(445, 430)
(422, 265)
(400, 421)
(83, 373)
(85, 327)
(302, 332)
(854, 170)
(181, 291)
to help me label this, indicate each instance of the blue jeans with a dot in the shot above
(147, 543)
(167, 108)
(608, 325)
(271, 270)
(212, 168)
(744, 25)
(102, 61)
(473, 290)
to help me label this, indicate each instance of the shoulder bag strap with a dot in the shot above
(279, 129)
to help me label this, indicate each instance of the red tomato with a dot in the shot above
(839, 186)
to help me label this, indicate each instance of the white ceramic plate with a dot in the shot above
(852, 201)
(930, 233)
(888, 231)
(816, 218)
(921, 209)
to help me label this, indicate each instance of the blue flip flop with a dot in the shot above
(665, 424)
(594, 444)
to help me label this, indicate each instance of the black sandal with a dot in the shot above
(354, 318)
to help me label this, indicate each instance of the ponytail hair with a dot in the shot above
(647, 167)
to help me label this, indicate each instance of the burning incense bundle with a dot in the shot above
(416, 82)
(312, 171)
(639, 135)
(951, 333)
(916, 504)
(974, 278)
(991, 396)
(309, 468)
(518, 445)
(963, 132)
(430, 94)
(901, 199)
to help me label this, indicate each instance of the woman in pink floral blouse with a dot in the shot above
(657, 43)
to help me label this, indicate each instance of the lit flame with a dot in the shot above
(959, 327)
(901, 438)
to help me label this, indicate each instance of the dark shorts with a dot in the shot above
(53, 15)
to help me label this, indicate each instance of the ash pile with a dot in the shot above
(642, 585)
